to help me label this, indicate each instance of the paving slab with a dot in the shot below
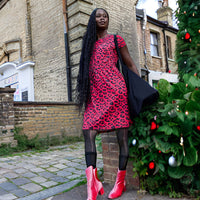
(21, 181)
(8, 197)
(31, 187)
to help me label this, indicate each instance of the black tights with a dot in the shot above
(90, 147)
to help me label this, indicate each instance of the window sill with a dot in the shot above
(170, 59)
(158, 57)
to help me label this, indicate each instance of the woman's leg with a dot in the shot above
(90, 147)
(119, 187)
(122, 138)
(94, 186)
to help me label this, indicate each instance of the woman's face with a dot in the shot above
(101, 19)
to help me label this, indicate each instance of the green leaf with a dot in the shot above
(192, 106)
(176, 132)
(196, 96)
(162, 146)
(163, 89)
(166, 129)
(181, 116)
(168, 108)
(178, 172)
(191, 156)
(187, 95)
(179, 157)
(186, 78)
(187, 179)
(178, 90)
(161, 167)
(194, 81)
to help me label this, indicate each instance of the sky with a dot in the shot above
(152, 5)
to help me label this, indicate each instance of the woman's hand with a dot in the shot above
(128, 60)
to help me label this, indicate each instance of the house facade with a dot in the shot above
(156, 44)
(41, 41)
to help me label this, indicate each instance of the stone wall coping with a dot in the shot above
(7, 90)
(34, 103)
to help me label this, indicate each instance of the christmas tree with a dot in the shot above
(188, 38)
(165, 138)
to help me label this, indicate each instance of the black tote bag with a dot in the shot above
(140, 93)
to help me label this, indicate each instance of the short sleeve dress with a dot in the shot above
(107, 106)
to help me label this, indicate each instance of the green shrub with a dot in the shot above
(24, 143)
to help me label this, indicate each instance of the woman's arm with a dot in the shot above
(128, 60)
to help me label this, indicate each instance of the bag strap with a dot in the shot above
(118, 53)
(123, 69)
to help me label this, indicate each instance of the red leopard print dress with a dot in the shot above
(107, 107)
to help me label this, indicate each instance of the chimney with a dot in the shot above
(165, 3)
(164, 12)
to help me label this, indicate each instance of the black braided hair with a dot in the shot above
(89, 40)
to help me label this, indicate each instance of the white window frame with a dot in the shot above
(154, 42)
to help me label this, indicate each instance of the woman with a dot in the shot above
(102, 89)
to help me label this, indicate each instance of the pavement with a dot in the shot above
(55, 174)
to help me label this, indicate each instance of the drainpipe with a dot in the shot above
(28, 30)
(144, 42)
(68, 68)
(166, 54)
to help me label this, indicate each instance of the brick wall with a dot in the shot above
(48, 49)
(12, 22)
(6, 116)
(47, 119)
(111, 160)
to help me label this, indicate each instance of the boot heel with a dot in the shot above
(124, 186)
(101, 191)
(124, 190)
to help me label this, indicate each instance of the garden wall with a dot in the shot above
(45, 118)
(7, 116)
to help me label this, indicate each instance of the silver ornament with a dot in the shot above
(172, 161)
(134, 142)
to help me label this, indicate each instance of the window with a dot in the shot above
(169, 47)
(154, 44)
(25, 96)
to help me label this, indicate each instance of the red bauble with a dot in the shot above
(153, 126)
(151, 165)
(169, 71)
(159, 151)
(187, 36)
(198, 128)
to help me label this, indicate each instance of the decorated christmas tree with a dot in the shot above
(165, 138)
(188, 38)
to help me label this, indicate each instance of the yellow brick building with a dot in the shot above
(38, 38)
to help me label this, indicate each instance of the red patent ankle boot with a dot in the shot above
(119, 186)
(98, 183)
(91, 186)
